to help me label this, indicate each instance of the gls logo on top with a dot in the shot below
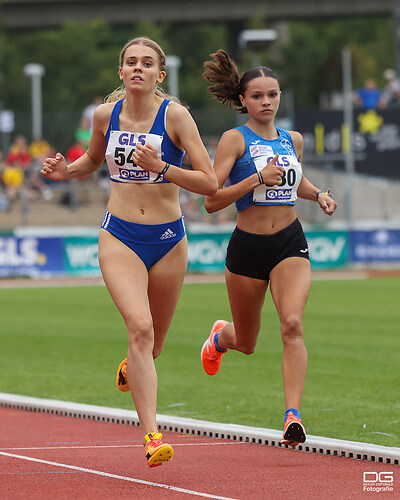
(131, 139)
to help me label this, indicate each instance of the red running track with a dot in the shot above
(53, 457)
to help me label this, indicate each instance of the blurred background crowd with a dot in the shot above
(22, 185)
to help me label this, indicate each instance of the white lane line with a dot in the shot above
(87, 447)
(115, 476)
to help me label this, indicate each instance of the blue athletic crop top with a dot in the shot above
(121, 144)
(257, 153)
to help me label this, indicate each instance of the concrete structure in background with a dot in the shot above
(24, 14)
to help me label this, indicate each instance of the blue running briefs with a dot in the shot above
(151, 242)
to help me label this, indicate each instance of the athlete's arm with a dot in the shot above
(297, 139)
(306, 190)
(57, 169)
(183, 132)
(230, 147)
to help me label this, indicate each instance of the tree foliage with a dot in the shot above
(311, 62)
(81, 61)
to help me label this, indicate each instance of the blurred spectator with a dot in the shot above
(369, 96)
(19, 155)
(74, 152)
(89, 111)
(40, 149)
(212, 148)
(17, 162)
(391, 93)
(84, 132)
(192, 206)
(3, 195)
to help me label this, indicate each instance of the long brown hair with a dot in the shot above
(228, 85)
(120, 92)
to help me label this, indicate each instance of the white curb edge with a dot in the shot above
(271, 437)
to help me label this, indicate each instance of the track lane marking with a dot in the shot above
(115, 476)
(95, 447)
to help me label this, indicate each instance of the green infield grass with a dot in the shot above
(66, 343)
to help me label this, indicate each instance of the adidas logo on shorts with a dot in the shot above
(168, 234)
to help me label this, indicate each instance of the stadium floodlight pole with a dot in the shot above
(35, 72)
(257, 41)
(347, 133)
(173, 63)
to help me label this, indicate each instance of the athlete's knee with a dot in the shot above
(140, 331)
(292, 329)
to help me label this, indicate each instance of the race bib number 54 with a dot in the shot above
(120, 148)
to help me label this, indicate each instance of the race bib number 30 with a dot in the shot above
(286, 192)
(120, 148)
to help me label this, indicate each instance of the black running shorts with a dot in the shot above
(255, 255)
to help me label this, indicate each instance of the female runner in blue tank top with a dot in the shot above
(268, 246)
(142, 243)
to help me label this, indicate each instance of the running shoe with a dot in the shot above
(122, 378)
(156, 451)
(294, 432)
(210, 357)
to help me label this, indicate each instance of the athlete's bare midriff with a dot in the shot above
(144, 203)
(266, 219)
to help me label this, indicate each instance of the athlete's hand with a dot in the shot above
(147, 158)
(55, 168)
(327, 203)
(272, 173)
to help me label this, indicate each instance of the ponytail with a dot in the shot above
(222, 72)
(227, 84)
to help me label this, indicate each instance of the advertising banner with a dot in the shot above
(381, 246)
(375, 140)
(31, 256)
(78, 255)
(81, 256)
(207, 252)
(328, 249)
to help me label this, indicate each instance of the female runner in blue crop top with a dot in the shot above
(142, 243)
(268, 245)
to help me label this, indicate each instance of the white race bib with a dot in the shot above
(287, 191)
(119, 151)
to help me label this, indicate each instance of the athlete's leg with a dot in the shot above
(165, 285)
(290, 283)
(126, 278)
(246, 298)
